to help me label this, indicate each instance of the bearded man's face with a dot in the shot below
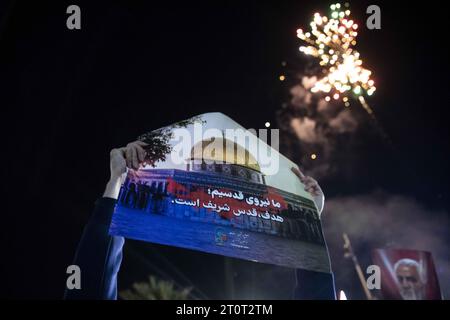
(410, 283)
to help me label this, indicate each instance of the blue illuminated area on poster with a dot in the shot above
(219, 204)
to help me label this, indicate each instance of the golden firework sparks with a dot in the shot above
(332, 40)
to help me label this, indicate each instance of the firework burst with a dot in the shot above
(332, 40)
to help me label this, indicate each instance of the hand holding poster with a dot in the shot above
(208, 184)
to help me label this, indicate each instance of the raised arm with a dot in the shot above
(312, 285)
(99, 255)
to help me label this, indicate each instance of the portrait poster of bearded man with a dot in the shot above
(407, 274)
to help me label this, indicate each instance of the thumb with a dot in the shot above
(118, 152)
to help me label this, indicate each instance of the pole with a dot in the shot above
(350, 254)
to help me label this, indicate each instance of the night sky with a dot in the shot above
(71, 96)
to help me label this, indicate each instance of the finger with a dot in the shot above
(140, 153)
(122, 151)
(141, 143)
(118, 152)
(309, 178)
(309, 190)
(317, 191)
(298, 173)
(114, 152)
(313, 191)
(310, 186)
(128, 157)
(310, 182)
(134, 158)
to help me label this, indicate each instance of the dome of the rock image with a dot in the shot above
(224, 151)
(224, 156)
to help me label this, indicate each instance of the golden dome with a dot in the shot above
(237, 155)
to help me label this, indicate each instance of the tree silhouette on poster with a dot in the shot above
(158, 140)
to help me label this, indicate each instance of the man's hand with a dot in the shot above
(131, 156)
(312, 187)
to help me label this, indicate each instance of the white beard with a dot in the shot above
(410, 294)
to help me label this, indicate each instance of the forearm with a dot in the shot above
(98, 254)
(112, 189)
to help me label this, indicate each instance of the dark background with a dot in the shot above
(69, 96)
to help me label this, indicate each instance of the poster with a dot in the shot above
(407, 274)
(213, 186)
